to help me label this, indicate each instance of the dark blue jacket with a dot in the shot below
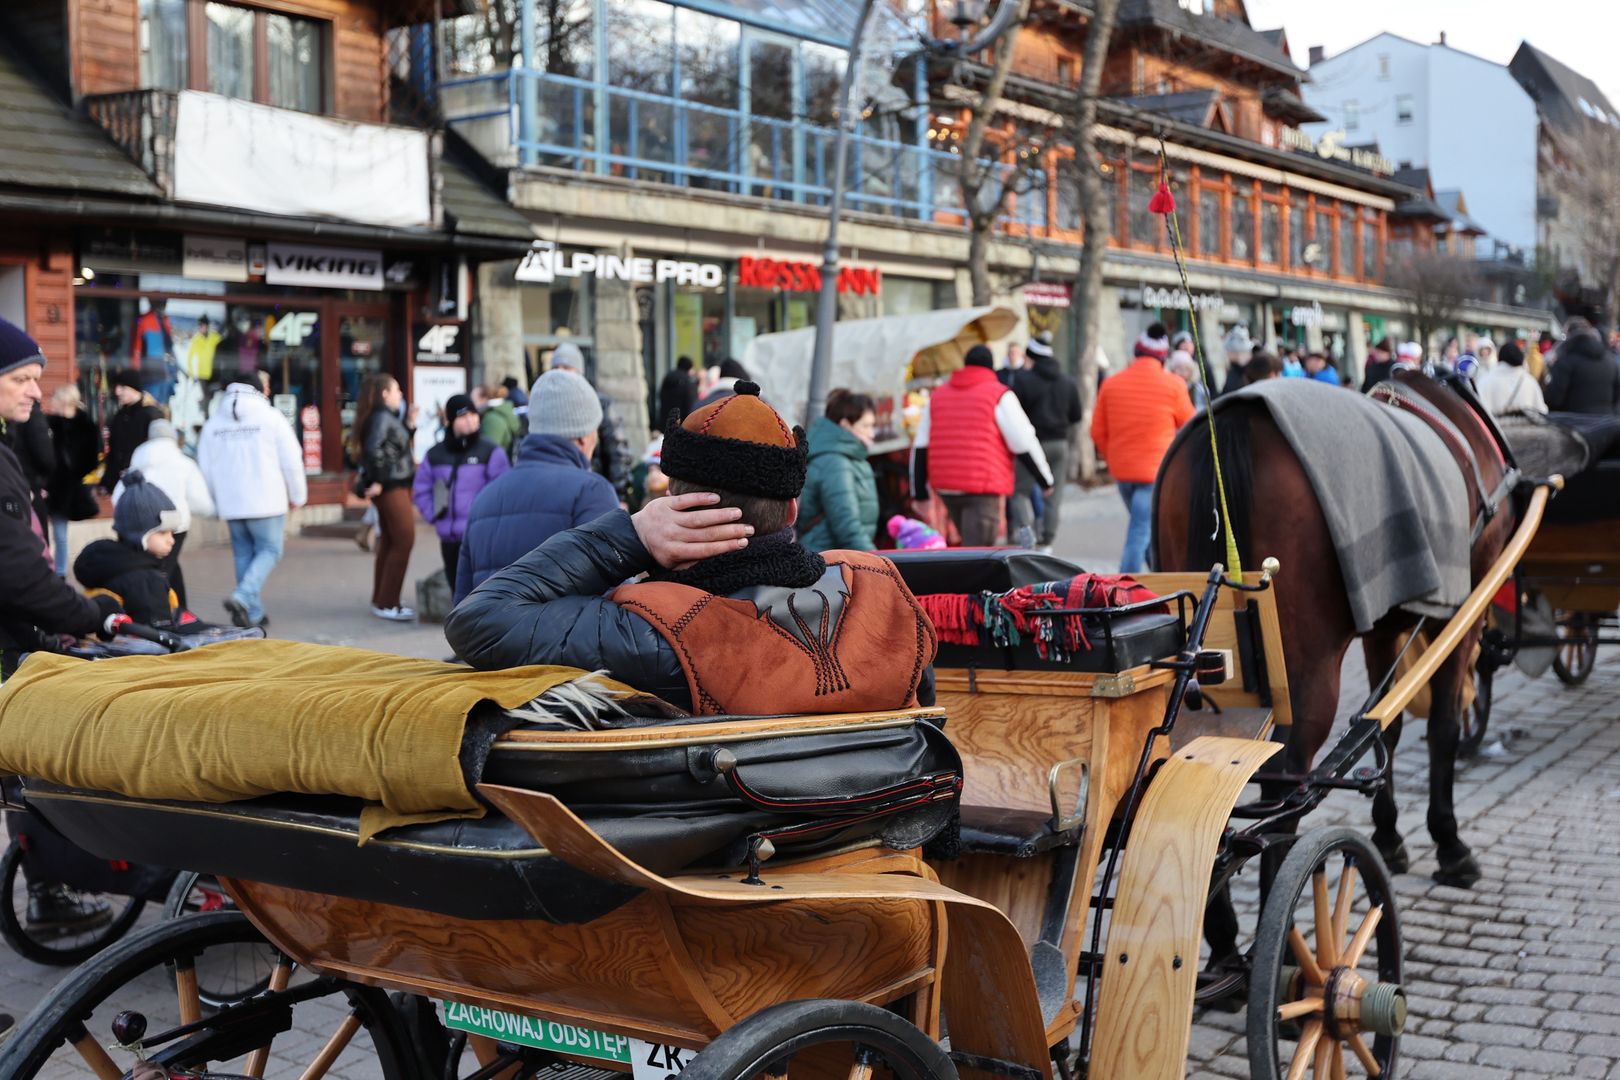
(549, 490)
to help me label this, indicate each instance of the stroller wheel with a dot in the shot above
(59, 941)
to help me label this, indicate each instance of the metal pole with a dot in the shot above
(529, 91)
(827, 302)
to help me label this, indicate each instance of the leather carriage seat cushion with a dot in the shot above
(972, 570)
(1134, 640)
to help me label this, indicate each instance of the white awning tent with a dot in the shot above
(872, 356)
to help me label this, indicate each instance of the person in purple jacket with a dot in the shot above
(452, 475)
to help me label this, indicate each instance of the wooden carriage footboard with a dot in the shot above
(986, 968)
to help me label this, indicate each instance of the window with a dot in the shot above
(1383, 66)
(1209, 222)
(1270, 232)
(1369, 249)
(1404, 106)
(1352, 115)
(293, 54)
(1144, 225)
(163, 44)
(1347, 242)
(1322, 239)
(1297, 240)
(1242, 226)
(1065, 71)
(246, 53)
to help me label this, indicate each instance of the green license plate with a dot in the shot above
(647, 1061)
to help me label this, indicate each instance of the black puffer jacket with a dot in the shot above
(1050, 397)
(1586, 378)
(78, 445)
(385, 455)
(127, 430)
(136, 576)
(33, 595)
(550, 607)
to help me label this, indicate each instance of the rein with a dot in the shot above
(1165, 203)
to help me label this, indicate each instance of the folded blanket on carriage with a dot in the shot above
(240, 720)
(1400, 522)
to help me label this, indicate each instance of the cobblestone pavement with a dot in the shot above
(1518, 977)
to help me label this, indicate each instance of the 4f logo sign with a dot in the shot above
(293, 327)
(439, 340)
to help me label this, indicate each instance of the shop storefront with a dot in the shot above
(189, 314)
(707, 309)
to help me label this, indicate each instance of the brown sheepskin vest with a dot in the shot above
(855, 641)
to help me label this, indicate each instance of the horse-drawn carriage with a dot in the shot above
(1563, 601)
(1009, 883)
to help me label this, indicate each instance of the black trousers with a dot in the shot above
(450, 551)
(170, 565)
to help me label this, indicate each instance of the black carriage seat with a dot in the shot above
(810, 784)
(1118, 642)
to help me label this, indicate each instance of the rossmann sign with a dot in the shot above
(762, 273)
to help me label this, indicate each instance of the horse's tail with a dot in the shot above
(1206, 532)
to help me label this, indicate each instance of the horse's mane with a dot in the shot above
(1206, 543)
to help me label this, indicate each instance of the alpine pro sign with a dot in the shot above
(323, 267)
(545, 263)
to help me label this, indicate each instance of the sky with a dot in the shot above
(1581, 33)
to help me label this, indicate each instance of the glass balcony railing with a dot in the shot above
(532, 117)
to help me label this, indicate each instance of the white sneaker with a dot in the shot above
(1045, 549)
(395, 614)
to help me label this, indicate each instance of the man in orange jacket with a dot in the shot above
(1137, 414)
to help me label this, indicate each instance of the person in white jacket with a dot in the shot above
(166, 467)
(255, 470)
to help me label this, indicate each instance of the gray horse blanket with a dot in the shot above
(1396, 504)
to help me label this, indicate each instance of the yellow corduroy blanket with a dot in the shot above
(247, 718)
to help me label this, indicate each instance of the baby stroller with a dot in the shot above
(59, 904)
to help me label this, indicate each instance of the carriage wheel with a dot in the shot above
(1577, 649)
(149, 983)
(59, 949)
(822, 1039)
(198, 894)
(1326, 998)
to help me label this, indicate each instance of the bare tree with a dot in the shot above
(1088, 283)
(1590, 170)
(1436, 285)
(988, 184)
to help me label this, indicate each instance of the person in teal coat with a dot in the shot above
(839, 505)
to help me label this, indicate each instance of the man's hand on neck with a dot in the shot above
(679, 530)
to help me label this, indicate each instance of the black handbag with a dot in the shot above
(82, 505)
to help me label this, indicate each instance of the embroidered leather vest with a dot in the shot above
(855, 641)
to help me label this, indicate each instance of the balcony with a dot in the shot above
(219, 151)
(527, 117)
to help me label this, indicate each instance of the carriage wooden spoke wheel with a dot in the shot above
(1325, 1000)
(822, 1040)
(145, 998)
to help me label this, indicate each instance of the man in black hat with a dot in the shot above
(128, 427)
(734, 615)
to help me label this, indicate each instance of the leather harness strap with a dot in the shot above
(1489, 500)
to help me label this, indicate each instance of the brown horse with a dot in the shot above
(1275, 512)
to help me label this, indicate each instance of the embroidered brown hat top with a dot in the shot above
(737, 444)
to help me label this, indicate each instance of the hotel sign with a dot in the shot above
(1176, 300)
(1330, 147)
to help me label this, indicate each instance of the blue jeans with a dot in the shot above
(256, 546)
(1139, 500)
(59, 544)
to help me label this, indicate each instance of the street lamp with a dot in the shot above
(964, 13)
